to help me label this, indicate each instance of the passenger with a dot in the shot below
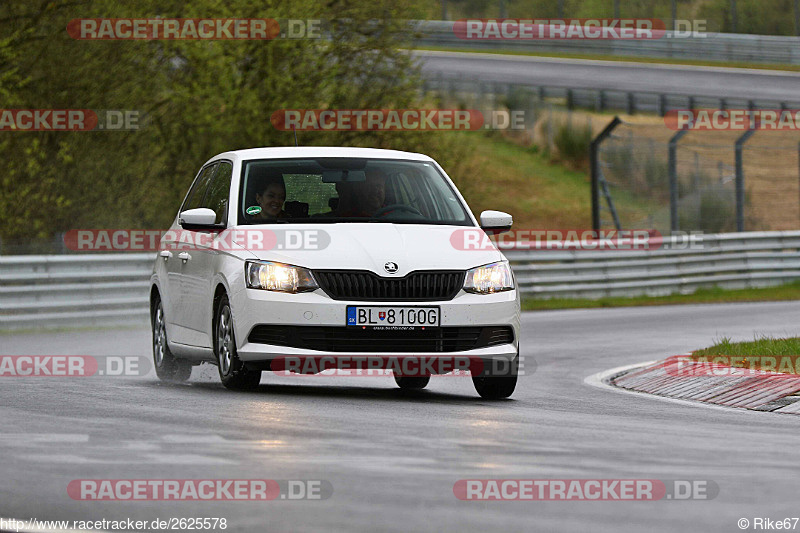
(271, 197)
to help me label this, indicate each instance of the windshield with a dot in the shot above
(328, 190)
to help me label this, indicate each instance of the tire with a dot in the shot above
(497, 387)
(232, 371)
(168, 368)
(412, 383)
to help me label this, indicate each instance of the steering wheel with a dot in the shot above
(396, 207)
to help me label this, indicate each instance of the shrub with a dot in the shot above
(572, 143)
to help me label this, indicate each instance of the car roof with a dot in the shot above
(286, 152)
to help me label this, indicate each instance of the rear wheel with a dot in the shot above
(412, 383)
(496, 384)
(168, 368)
(232, 371)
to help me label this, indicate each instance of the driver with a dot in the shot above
(362, 199)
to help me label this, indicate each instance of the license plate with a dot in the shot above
(393, 317)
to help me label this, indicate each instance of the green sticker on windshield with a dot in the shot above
(254, 210)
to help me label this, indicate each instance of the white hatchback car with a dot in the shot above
(318, 254)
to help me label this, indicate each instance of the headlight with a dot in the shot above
(488, 279)
(278, 277)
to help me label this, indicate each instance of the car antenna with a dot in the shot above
(295, 135)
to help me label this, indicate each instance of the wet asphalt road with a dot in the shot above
(391, 456)
(769, 85)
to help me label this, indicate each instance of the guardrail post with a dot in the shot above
(601, 100)
(570, 99)
(674, 13)
(594, 151)
(673, 179)
(797, 17)
(740, 178)
(662, 105)
(631, 108)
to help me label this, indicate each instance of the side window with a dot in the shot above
(195, 197)
(217, 197)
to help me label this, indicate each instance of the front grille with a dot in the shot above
(343, 339)
(418, 286)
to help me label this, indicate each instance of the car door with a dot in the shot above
(175, 253)
(199, 270)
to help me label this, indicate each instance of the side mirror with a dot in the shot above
(201, 218)
(495, 222)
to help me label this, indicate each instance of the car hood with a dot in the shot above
(370, 246)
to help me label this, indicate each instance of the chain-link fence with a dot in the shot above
(650, 176)
(687, 181)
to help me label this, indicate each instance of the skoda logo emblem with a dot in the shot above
(390, 267)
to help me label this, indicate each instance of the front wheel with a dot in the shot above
(494, 383)
(168, 368)
(232, 371)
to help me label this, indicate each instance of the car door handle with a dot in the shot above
(166, 254)
(184, 256)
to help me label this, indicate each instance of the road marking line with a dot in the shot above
(33, 438)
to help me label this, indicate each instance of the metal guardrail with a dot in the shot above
(712, 47)
(729, 260)
(74, 290)
(630, 102)
(731, 47)
(83, 290)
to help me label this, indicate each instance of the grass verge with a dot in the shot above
(539, 193)
(790, 291)
(763, 353)
(759, 347)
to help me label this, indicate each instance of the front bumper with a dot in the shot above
(253, 307)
